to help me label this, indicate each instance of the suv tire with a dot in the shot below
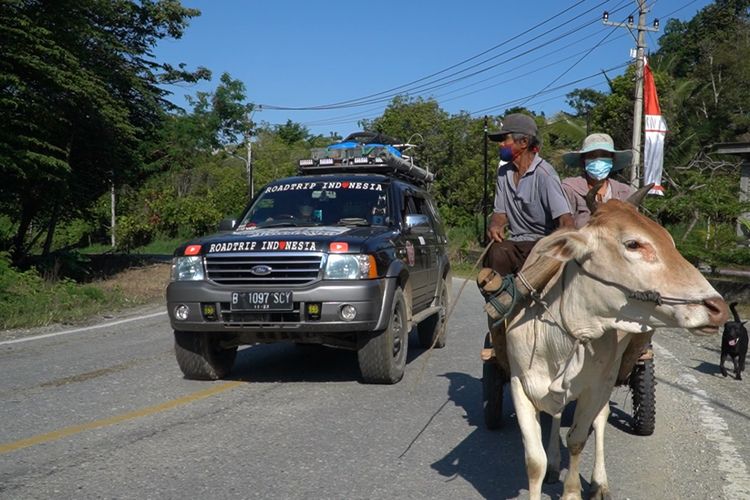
(201, 357)
(382, 358)
(643, 385)
(434, 326)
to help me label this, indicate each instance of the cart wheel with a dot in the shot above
(643, 385)
(492, 392)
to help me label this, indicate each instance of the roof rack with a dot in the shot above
(365, 158)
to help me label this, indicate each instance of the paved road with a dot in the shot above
(105, 413)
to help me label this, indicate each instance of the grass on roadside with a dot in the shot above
(27, 300)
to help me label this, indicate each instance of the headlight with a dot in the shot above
(187, 268)
(350, 267)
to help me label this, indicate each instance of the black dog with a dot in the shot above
(734, 344)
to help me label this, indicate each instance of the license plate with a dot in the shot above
(262, 301)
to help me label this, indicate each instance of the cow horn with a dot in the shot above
(591, 196)
(637, 198)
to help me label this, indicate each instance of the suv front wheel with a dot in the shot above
(201, 356)
(382, 358)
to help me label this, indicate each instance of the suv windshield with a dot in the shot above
(346, 202)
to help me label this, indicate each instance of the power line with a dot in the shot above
(561, 86)
(338, 119)
(576, 63)
(513, 101)
(385, 96)
(324, 106)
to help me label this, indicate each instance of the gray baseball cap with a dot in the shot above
(515, 123)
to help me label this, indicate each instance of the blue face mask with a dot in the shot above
(506, 153)
(599, 168)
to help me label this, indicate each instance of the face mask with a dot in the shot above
(506, 153)
(599, 168)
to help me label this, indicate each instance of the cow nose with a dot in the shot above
(717, 310)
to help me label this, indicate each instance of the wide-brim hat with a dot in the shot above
(515, 123)
(600, 142)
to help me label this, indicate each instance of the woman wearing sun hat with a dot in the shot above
(597, 159)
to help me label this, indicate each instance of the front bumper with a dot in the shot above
(369, 297)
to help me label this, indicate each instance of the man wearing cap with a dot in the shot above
(529, 204)
(597, 159)
(529, 200)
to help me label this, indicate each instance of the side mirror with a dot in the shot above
(418, 223)
(227, 224)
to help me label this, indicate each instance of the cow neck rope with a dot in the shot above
(562, 324)
(562, 380)
(642, 295)
(534, 293)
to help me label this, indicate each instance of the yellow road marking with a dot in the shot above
(96, 424)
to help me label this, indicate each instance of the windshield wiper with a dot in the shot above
(353, 221)
(285, 223)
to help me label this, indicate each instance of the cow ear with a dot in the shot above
(564, 245)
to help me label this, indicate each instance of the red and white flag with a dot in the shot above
(656, 129)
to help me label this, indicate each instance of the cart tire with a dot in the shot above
(643, 385)
(435, 326)
(492, 392)
(382, 358)
(201, 357)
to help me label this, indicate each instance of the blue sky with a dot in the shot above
(485, 56)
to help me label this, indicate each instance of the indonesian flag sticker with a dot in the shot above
(339, 246)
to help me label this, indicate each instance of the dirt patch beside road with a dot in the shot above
(140, 285)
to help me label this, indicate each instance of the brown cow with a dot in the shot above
(622, 273)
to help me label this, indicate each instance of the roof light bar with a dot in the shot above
(325, 161)
(306, 163)
(360, 160)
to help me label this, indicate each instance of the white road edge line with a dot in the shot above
(86, 328)
(730, 462)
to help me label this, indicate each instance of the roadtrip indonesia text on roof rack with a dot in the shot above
(366, 152)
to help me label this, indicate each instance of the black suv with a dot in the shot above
(351, 254)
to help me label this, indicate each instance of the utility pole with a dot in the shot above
(635, 179)
(249, 164)
(484, 199)
(113, 214)
(249, 146)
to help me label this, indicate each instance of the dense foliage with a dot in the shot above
(78, 96)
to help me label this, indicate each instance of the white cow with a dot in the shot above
(620, 272)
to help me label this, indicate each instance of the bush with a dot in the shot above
(131, 232)
(26, 299)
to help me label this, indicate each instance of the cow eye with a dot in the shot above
(632, 245)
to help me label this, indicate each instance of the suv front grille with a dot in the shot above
(286, 268)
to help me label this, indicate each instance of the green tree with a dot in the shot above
(291, 132)
(450, 146)
(584, 100)
(78, 93)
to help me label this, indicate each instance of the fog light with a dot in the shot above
(181, 312)
(348, 312)
(209, 311)
(313, 310)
